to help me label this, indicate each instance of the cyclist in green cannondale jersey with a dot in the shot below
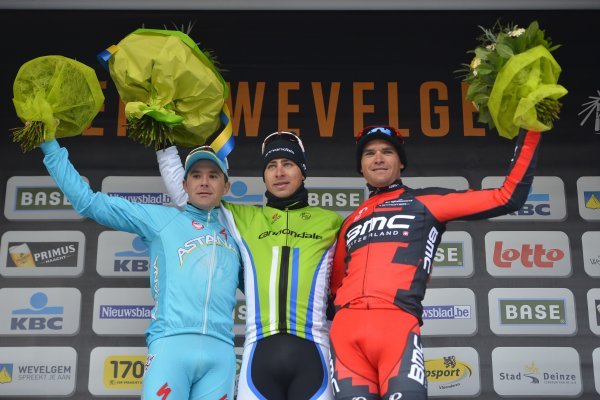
(287, 249)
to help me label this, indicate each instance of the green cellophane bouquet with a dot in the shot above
(173, 92)
(514, 79)
(55, 97)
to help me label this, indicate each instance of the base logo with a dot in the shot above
(454, 255)
(452, 371)
(532, 311)
(536, 371)
(342, 195)
(117, 370)
(36, 198)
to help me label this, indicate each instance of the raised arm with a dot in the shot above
(488, 203)
(171, 171)
(114, 212)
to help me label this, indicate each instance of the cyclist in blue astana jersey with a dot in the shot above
(287, 249)
(195, 267)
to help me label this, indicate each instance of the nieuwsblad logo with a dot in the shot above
(36, 198)
(39, 311)
(122, 311)
(117, 371)
(532, 311)
(37, 371)
(122, 254)
(536, 371)
(454, 255)
(588, 195)
(546, 200)
(452, 371)
(137, 189)
(591, 253)
(449, 312)
(342, 195)
(593, 303)
(246, 190)
(528, 253)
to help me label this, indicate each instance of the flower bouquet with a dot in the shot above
(513, 79)
(173, 92)
(54, 96)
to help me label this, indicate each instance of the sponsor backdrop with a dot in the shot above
(513, 307)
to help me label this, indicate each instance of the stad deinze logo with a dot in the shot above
(532, 311)
(536, 371)
(36, 198)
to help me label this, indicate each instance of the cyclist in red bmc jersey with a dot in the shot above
(383, 262)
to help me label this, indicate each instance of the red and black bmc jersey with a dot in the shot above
(386, 247)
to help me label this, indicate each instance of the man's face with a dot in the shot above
(205, 185)
(282, 177)
(380, 163)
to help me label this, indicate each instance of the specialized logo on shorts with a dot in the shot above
(164, 391)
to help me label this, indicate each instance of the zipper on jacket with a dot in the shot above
(284, 267)
(209, 285)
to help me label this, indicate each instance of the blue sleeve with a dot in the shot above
(114, 212)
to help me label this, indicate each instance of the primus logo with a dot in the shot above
(379, 226)
(303, 235)
(336, 199)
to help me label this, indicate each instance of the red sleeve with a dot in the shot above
(487, 203)
(338, 269)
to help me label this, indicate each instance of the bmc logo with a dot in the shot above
(526, 253)
(380, 223)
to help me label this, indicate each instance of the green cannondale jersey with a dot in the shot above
(287, 258)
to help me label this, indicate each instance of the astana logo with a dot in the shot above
(592, 108)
